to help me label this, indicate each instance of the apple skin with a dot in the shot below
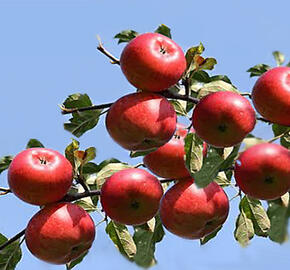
(60, 233)
(40, 176)
(131, 196)
(263, 171)
(271, 95)
(223, 118)
(191, 212)
(152, 62)
(168, 161)
(141, 121)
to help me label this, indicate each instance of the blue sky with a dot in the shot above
(48, 51)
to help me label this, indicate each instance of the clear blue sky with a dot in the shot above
(48, 50)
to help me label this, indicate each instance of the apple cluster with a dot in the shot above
(147, 121)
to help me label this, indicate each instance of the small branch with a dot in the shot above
(5, 191)
(139, 165)
(264, 120)
(77, 196)
(108, 54)
(246, 94)
(162, 181)
(279, 136)
(169, 94)
(12, 240)
(90, 108)
(82, 182)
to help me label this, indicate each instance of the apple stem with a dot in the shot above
(105, 52)
(13, 239)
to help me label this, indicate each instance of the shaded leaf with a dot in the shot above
(279, 215)
(244, 230)
(146, 240)
(200, 76)
(258, 70)
(251, 140)
(81, 122)
(33, 143)
(122, 239)
(279, 58)
(90, 168)
(193, 58)
(164, 30)
(5, 162)
(75, 262)
(193, 147)
(278, 130)
(10, 255)
(212, 235)
(208, 63)
(222, 179)
(126, 36)
(69, 151)
(220, 78)
(134, 154)
(179, 108)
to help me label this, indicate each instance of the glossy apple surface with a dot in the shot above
(131, 196)
(168, 161)
(193, 213)
(40, 176)
(223, 118)
(263, 171)
(152, 62)
(271, 95)
(60, 233)
(141, 121)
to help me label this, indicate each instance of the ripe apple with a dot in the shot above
(60, 233)
(40, 176)
(168, 161)
(152, 62)
(141, 121)
(263, 171)
(192, 212)
(271, 95)
(131, 196)
(223, 118)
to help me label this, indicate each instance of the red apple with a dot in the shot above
(141, 121)
(152, 62)
(192, 212)
(40, 176)
(168, 161)
(223, 118)
(263, 171)
(271, 95)
(131, 196)
(60, 233)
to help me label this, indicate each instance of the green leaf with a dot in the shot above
(208, 63)
(134, 154)
(279, 214)
(81, 122)
(216, 86)
(179, 108)
(279, 58)
(193, 147)
(255, 211)
(213, 163)
(288, 65)
(220, 78)
(210, 236)
(200, 76)
(222, 179)
(278, 130)
(106, 172)
(258, 70)
(244, 231)
(251, 140)
(126, 36)
(9, 256)
(164, 30)
(122, 239)
(5, 162)
(90, 168)
(75, 262)
(146, 238)
(33, 143)
(69, 151)
(87, 204)
(193, 57)
(82, 157)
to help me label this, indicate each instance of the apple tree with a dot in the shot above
(179, 185)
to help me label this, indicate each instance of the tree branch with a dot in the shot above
(77, 196)
(169, 94)
(4, 191)
(89, 108)
(12, 240)
(108, 54)
(264, 120)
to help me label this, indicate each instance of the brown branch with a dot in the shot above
(263, 120)
(77, 196)
(89, 108)
(169, 94)
(12, 240)
(5, 191)
(108, 54)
